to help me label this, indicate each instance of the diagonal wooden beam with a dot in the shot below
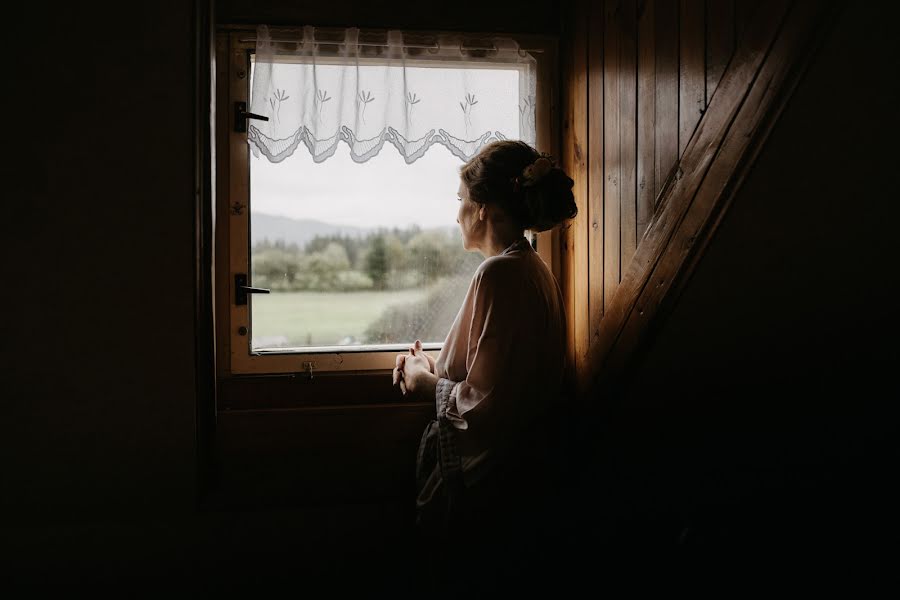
(757, 82)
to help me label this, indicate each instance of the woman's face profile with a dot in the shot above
(467, 216)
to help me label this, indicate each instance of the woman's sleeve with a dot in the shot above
(491, 385)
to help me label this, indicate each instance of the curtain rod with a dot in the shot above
(422, 46)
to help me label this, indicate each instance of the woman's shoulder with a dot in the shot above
(500, 266)
(510, 269)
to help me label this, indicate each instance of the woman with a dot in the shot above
(499, 374)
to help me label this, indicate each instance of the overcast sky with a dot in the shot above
(382, 192)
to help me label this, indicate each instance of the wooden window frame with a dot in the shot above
(234, 46)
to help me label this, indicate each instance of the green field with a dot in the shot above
(320, 318)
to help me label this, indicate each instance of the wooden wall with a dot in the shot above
(759, 426)
(640, 76)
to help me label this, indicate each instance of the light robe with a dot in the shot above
(501, 367)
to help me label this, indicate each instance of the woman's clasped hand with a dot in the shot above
(414, 372)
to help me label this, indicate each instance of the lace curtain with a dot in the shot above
(411, 95)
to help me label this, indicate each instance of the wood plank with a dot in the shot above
(770, 90)
(546, 138)
(692, 70)
(611, 147)
(667, 42)
(719, 41)
(238, 202)
(223, 177)
(574, 250)
(596, 57)
(582, 182)
(680, 192)
(628, 130)
(611, 156)
(646, 114)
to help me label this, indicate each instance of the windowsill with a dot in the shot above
(322, 361)
(395, 348)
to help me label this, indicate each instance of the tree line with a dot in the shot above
(385, 259)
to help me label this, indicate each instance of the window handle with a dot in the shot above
(241, 115)
(241, 289)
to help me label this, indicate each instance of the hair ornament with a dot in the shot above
(536, 171)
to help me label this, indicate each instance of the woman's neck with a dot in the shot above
(499, 239)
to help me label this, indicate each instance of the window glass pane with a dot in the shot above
(358, 254)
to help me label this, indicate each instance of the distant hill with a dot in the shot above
(296, 231)
(301, 231)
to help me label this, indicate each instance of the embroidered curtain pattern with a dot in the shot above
(410, 96)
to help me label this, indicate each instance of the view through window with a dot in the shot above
(358, 254)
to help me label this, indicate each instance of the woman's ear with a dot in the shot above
(482, 212)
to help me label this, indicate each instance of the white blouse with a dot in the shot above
(502, 363)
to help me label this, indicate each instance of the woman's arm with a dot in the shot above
(494, 372)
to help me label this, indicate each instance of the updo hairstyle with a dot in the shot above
(525, 184)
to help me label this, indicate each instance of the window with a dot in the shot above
(360, 254)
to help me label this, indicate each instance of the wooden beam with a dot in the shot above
(755, 86)
(783, 78)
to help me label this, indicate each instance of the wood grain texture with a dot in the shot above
(222, 236)
(628, 131)
(582, 182)
(799, 43)
(644, 286)
(238, 220)
(646, 114)
(612, 163)
(575, 250)
(776, 78)
(596, 191)
(719, 41)
(692, 70)
(667, 43)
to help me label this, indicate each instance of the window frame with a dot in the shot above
(234, 47)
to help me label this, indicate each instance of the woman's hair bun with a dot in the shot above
(550, 201)
(526, 184)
